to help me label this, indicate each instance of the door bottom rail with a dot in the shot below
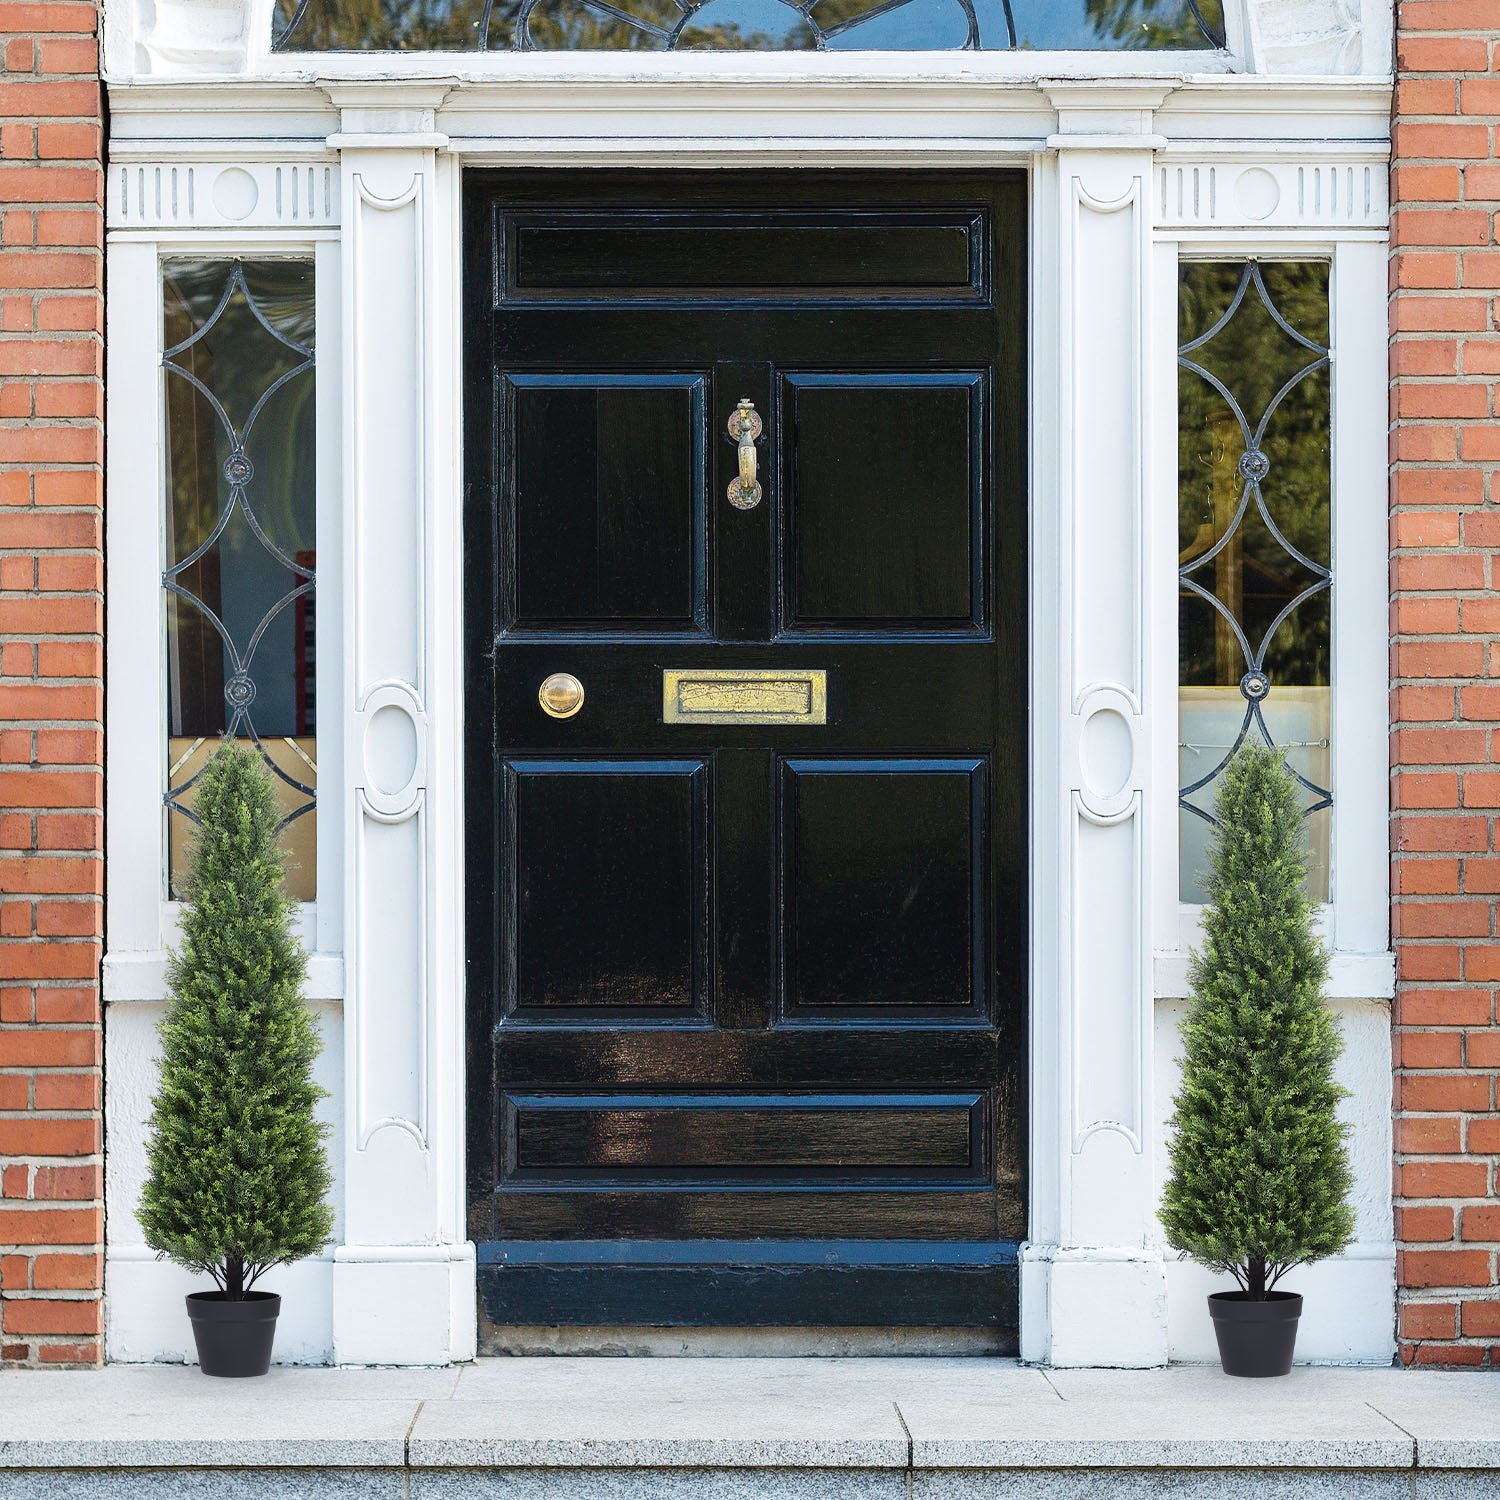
(757, 1283)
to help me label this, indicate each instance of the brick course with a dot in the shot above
(1445, 674)
(51, 684)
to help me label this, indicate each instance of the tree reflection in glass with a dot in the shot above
(240, 546)
(747, 25)
(1253, 536)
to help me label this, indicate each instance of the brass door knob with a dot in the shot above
(561, 695)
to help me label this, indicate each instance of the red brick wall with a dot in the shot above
(1445, 669)
(51, 683)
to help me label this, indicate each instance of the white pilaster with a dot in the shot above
(404, 1278)
(1094, 1291)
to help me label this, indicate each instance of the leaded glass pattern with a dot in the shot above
(240, 560)
(1254, 561)
(746, 25)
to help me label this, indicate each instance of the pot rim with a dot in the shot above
(1237, 1307)
(218, 1296)
(1245, 1297)
(253, 1307)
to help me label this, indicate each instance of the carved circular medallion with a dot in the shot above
(235, 193)
(1256, 193)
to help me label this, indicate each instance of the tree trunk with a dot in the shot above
(1255, 1278)
(234, 1279)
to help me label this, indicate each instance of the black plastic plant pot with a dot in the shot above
(234, 1338)
(1255, 1338)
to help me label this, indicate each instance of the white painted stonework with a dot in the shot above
(355, 161)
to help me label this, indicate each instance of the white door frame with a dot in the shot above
(1107, 160)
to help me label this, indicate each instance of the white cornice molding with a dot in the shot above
(893, 117)
(1106, 115)
(384, 116)
(1244, 90)
(1293, 110)
(387, 106)
(1131, 100)
(441, 75)
(376, 94)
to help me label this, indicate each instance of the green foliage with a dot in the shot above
(238, 1178)
(1253, 574)
(1259, 1173)
(1152, 25)
(388, 25)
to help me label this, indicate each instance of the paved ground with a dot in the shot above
(719, 1429)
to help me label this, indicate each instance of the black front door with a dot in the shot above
(746, 924)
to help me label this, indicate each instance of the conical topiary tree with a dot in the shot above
(1259, 1174)
(238, 1179)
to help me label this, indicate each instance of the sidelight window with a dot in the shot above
(1254, 538)
(747, 25)
(240, 551)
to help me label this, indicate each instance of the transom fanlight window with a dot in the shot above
(1254, 539)
(239, 562)
(746, 25)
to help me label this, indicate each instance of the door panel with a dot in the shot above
(806, 1138)
(884, 500)
(922, 1053)
(748, 1213)
(746, 981)
(883, 886)
(773, 253)
(607, 489)
(608, 885)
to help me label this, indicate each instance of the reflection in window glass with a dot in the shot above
(1253, 538)
(240, 560)
(1118, 25)
(746, 25)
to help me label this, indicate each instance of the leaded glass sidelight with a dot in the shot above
(746, 25)
(240, 556)
(1254, 562)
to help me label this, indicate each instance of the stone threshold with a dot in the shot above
(742, 1429)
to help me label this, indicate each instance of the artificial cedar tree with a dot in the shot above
(1260, 1175)
(238, 1177)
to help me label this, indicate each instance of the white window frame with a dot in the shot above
(1355, 919)
(143, 920)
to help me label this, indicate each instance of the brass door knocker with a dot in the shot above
(744, 428)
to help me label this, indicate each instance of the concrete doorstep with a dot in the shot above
(747, 1429)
